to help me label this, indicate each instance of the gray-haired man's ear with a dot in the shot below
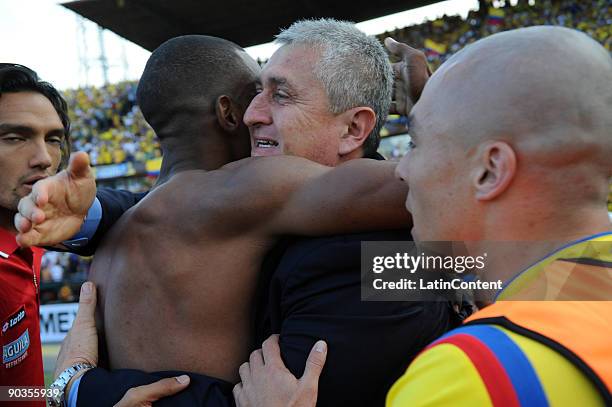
(360, 122)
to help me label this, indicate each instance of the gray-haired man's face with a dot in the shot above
(290, 114)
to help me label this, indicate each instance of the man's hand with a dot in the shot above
(55, 209)
(81, 343)
(266, 382)
(144, 396)
(411, 73)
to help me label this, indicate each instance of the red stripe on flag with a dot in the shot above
(491, 371)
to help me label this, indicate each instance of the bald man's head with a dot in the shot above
(537, 86)
(512, 123)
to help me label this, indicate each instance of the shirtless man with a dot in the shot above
(234, 216)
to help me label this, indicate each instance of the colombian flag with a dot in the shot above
(433, 48)
(496, 16)
(153, 166)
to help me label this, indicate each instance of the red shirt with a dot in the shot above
(21, 363)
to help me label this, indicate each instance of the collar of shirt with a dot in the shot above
(8, 244)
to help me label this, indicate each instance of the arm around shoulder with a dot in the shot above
(293, 195)
(359, 195)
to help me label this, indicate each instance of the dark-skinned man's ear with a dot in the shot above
(226, 114)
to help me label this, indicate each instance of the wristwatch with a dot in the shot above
(58, 398)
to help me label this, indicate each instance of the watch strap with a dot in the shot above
(62, 381)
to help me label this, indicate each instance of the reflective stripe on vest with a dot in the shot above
(505, 370)
(578, 330)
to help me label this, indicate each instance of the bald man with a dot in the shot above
(538, 171)
(514, 131)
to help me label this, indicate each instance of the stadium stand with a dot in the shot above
(441, 38)
(108, 125)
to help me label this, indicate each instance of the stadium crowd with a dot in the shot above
(443, 37)
(108, 125)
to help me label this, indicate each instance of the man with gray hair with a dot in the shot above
(338, 71)
(323, 96)
(327, 79)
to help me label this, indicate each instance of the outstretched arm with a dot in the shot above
(54, 211)
(113, 204)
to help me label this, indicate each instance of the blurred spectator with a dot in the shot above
(61, 274)
(65, 294)
(56, 272)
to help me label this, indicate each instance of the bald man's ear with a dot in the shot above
(228, 116)
(495, 171)
(361, 121)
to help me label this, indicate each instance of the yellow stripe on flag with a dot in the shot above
(496, 12)
(434, 46)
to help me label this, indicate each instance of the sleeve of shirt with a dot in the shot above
(74, 393)
(440, 376)
(88, 230)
